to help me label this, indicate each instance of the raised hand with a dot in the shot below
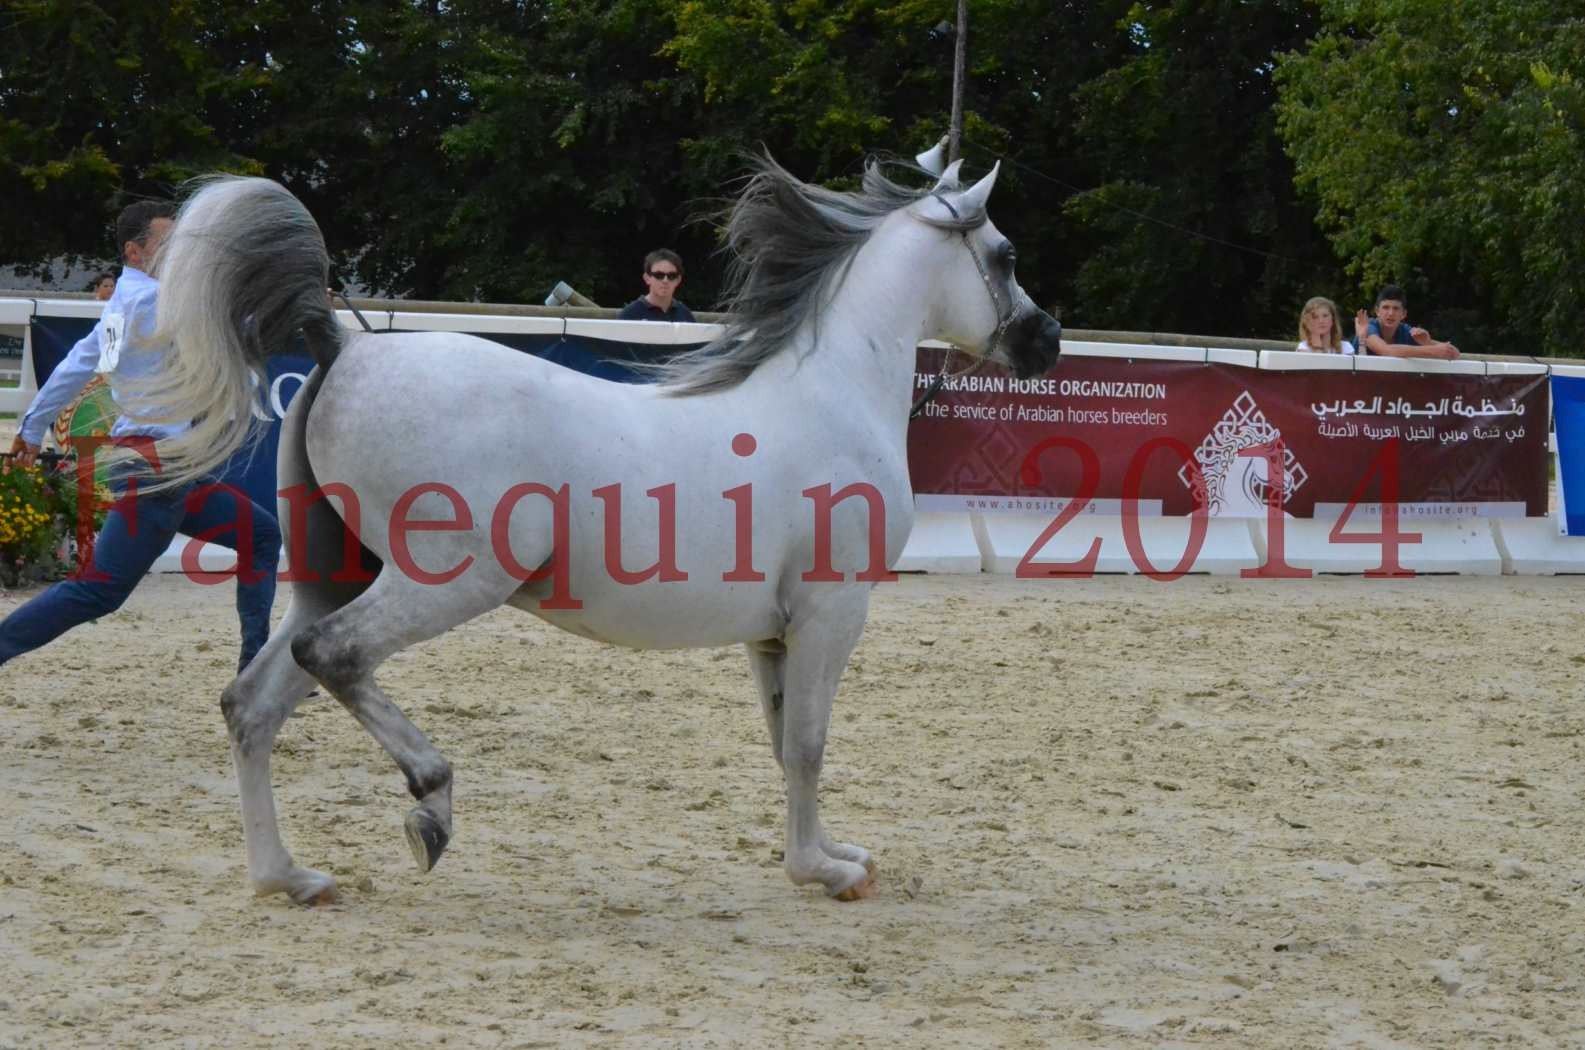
(22, 453)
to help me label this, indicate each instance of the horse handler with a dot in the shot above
(140, 525)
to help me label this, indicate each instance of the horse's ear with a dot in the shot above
(974, 199)
(948, 206)
(948, 181)
(934, 159)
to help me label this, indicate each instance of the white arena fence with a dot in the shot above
(965, 532)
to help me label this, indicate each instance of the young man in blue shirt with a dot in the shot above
(1389, 335)
(140, 525)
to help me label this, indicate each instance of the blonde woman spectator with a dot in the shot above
(1321, 328)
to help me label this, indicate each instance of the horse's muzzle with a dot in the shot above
(1033, 343)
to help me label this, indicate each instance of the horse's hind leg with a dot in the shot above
(820, 638)
(343, 650)
(768, 662)
(255, 704)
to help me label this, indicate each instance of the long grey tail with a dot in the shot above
(243, 271)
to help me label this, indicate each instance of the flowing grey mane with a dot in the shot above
(790, 245)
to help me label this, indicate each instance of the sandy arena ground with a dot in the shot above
(1108, 813)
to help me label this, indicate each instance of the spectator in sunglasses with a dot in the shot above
(662, 275)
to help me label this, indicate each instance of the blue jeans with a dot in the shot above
(137, 531)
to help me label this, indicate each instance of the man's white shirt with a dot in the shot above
(121, 348)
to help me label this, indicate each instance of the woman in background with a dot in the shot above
(1321, 328)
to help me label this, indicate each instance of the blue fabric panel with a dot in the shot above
(1568, 409)
(253, 468)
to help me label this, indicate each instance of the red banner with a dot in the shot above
(1110, 431)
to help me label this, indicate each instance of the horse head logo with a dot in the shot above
(1235, 482)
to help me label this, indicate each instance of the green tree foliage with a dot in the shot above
(484, 149)
(1193, 224)
(102, 102)
(818, 85)
(1444, 144)
(823, 84)
(568, 164)
(99, 99)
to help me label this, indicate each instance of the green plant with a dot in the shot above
(39, 517)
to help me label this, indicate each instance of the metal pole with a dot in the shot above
(955, 137)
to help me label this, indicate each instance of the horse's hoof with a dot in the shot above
(861, 889)
(426, 837)
(314, 889)
(324, 898)
(302, 885)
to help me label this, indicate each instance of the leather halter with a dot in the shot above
(1003, 320)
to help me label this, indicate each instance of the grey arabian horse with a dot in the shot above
(754, 494)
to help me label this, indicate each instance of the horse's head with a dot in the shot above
(978, 304)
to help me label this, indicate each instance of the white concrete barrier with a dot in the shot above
(1133, 351)
(1293, 361)
(1412, 365)
(1534, 547)
(1464, 546)
(211, 557)
(383, 320)
(17, 314)
(1006, 539)
(941, 542)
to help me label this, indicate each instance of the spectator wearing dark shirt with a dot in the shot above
(1390, 335)
(662, 276)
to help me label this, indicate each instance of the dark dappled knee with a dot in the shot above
(428, 778)
(334, 661)
(244, 721)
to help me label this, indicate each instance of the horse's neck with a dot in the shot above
(865, 338)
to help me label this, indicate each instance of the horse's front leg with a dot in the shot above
(255, 704)
(820, 638)
(768, 662)
(343, 650)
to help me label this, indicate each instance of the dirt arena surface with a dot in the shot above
(1338, 813)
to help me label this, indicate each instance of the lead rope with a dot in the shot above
(940, 380)
(355, 313)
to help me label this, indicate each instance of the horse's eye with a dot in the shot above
(1009, 254)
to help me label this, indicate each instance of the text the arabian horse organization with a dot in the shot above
(830, 294)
